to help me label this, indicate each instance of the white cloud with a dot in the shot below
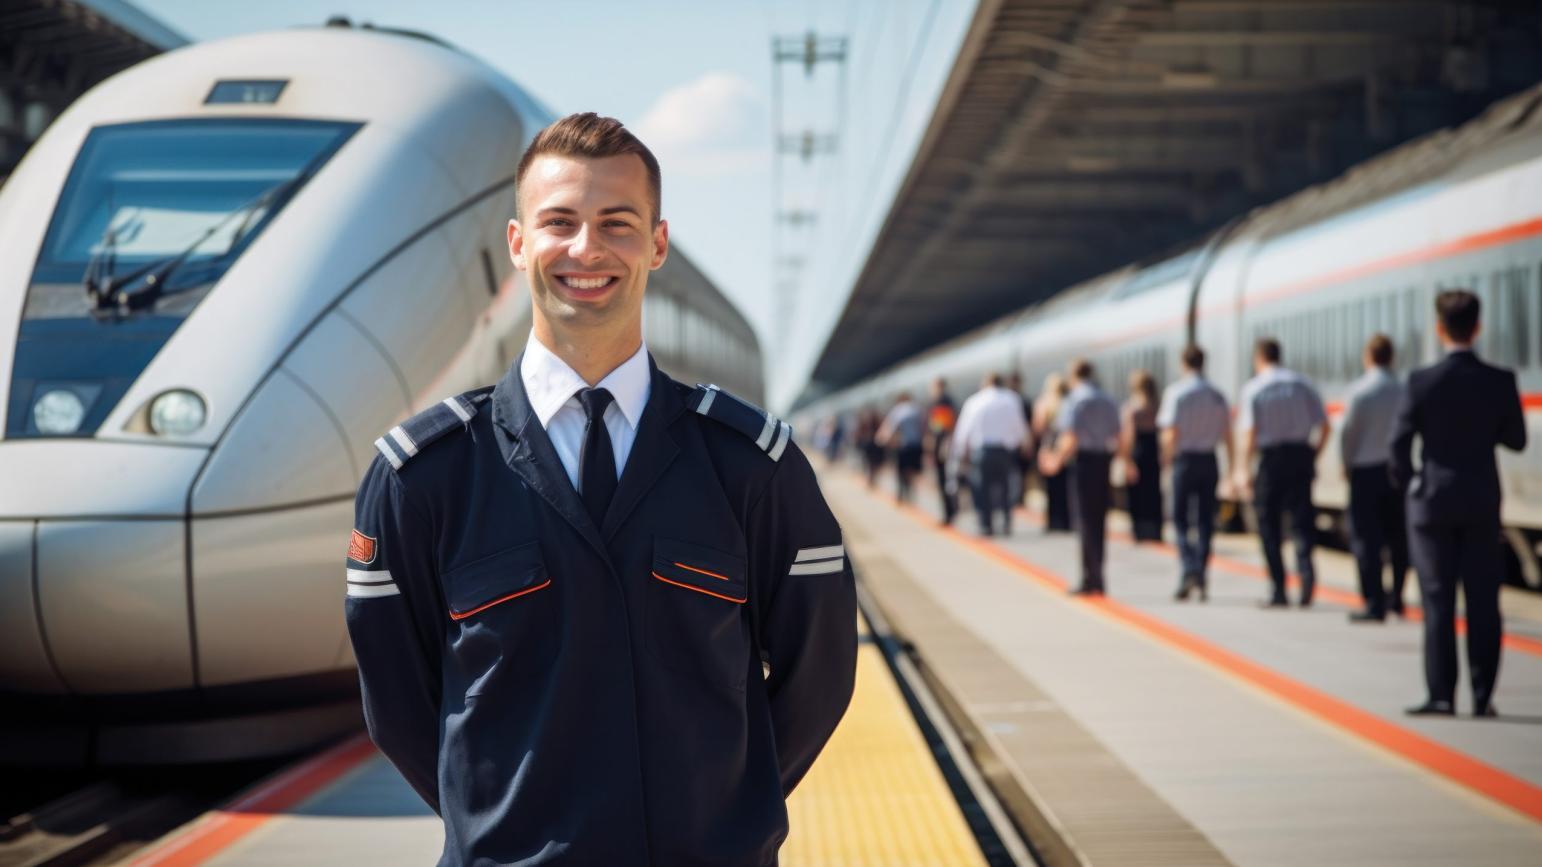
(714, 124)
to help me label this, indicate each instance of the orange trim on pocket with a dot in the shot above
(703, 571)
(483, 607)
(698, 589)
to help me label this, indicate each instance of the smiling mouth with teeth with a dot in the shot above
(587, 283)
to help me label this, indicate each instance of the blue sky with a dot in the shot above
(695, 81)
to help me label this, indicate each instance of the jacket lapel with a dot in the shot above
(653, 450)
(528, 451)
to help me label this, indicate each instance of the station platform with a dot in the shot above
(1137, 729)
(875, 797)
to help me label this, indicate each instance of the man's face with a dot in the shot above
(586, 240)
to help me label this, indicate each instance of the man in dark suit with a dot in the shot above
(1460, 408)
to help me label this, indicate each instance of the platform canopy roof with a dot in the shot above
(1074, 136)
(52, 51)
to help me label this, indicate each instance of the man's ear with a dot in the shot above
(660, 245)
(516, 245)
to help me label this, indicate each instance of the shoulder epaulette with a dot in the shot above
(413, 435)
(771, 435)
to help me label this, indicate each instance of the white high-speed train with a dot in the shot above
(1321, 271)
(226, 271)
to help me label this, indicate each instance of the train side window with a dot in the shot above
(1519, 303)
(1413, 334)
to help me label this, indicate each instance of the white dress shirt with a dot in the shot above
(992, 416)
(552, 388)
(1282, 404)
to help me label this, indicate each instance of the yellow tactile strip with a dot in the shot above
(875, 796)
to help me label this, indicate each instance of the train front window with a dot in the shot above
(150, 218)
(177, 200)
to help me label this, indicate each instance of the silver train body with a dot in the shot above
(301, 236)
(1321, 271)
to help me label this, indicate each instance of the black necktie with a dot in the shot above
(597, 462)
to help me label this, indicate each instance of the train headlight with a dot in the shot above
(176, 413)
(58, 411)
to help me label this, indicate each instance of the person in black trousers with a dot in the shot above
(1089, 436)
(940, 420)
(1376, 519)
(1046, 414)
(1278, 412)
(1142, 458)
(1194, 419)
(1460, 409)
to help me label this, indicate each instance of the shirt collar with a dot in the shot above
(550, 382)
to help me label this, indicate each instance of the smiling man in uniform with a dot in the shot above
(600, 617)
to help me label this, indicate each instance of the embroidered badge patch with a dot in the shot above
(361, 548)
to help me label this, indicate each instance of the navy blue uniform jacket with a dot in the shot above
(643, 692)
(1460, 408)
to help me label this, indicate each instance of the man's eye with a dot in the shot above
(556, 221)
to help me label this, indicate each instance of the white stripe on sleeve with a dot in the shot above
(823, 567)
(824, 553)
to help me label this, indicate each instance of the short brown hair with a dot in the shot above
(1268, 349)
(1379, 348)
(1193, 357)
(1081, 369)
(589, 135)
(1458, 310)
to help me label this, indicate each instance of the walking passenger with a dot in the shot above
(1375, 507)
(1194, 420)
(1089, 434)
(991, 433)
(1025, 458)
(1143, 459)
(1046, 414)
(902, 432)
(941, 418)
(1277, 415)
(865, 436)
(1460, 409)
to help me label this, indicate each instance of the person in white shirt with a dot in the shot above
(990, 435)
(1376, 517)
(1278, 414)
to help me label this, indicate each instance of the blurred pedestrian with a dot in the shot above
(1277, 414)
(991, 433)
(1376, 518)
(865, 437)
(903, 432)
(1046, 414)
(1014, 384)
(1142, 457)
(1194, 419)
(1089, 435)
(1460, 409)
(941, 418)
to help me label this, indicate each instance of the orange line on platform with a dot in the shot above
(1485, 779)
(217, 831)
(1519, 643)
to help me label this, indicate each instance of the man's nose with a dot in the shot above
(586, 245)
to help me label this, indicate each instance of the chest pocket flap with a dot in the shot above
(495, 579)
(702, 569)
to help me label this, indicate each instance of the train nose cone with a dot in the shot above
(93, 572)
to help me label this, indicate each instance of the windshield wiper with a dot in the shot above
(145, 285)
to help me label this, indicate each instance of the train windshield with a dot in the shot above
(150, 218)
(154, 213)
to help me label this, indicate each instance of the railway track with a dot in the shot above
(101, 819)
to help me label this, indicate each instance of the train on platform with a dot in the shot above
(1321, 271)
(227, 271)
